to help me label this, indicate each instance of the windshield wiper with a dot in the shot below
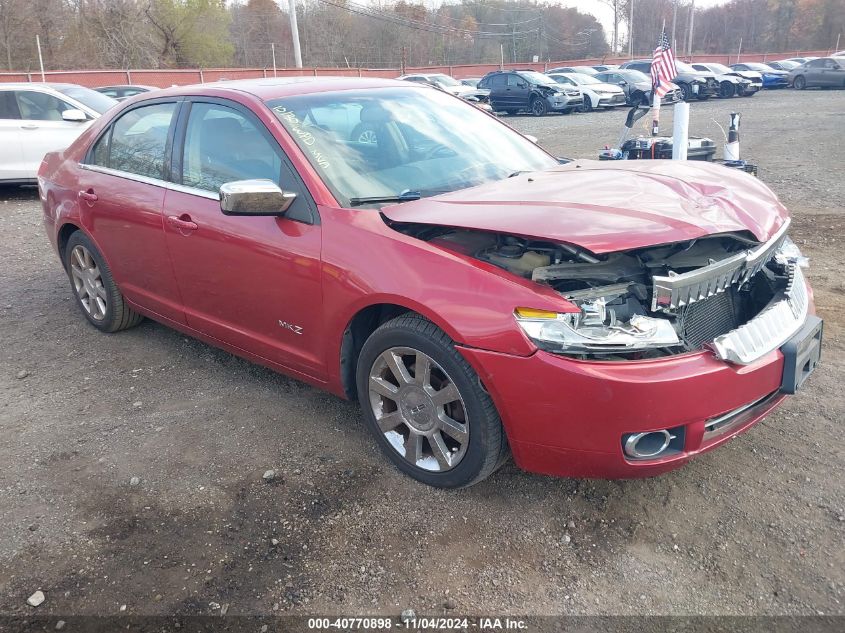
(405, 196)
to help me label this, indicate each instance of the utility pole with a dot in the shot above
(40, 59)
(691, 24)
(631, 32)
(674, 20)
(273, 51)
(294, 31)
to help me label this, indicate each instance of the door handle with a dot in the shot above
(183, 222)
(29, 126)
(89, 196)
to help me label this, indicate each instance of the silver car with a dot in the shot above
(824, 72)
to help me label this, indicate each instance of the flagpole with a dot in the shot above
(655, 107)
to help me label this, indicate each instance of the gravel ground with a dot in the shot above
(753, 528)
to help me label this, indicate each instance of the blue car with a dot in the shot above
(771, 78)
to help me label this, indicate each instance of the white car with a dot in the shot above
(597, 94)
(37, 118)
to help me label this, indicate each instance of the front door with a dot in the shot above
(42, 126)
(251, 282)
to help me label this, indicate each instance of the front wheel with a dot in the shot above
(97, 296)
(687, 92)
(587, 106)
(800, 82)
(539, 107)
(726, 90)
(426, 407)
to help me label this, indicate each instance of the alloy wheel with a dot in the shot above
(419, 409)
(88, 282)
(368, 137)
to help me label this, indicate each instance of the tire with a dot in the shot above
(686, 91)
(403, 343)
(587, 106)
(726, 90)
(511, 112)
(364, 133)
(800, 82)
(703, 97)
(539, 107)
(89, 273)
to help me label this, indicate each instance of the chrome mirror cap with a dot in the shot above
(254, 197)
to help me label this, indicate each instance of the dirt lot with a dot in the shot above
(754, 528)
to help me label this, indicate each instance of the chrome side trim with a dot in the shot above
(727, 421)
(771, 328)
(156, 182)
(673, 291)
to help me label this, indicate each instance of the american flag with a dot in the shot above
(662, 66)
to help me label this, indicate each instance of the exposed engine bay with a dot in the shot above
(677, 297)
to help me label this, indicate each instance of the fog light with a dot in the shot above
(653, 444)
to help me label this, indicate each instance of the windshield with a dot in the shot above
(537, 78)
(683, 67)
(758, 66)
(786, 64)
(386, 142)
(445, 80)
(720, 69)
(583, 80)
(634, 76)
(97, 101)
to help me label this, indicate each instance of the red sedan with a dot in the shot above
(395, 245)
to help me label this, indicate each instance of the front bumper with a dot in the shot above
(564, 102)
(567, 417)
(775, 82)
(609, 101)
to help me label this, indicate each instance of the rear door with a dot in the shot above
(121, 195)
(12, 165)
(251, 282)
(43, 129)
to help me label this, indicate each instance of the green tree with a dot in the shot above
(192, 32)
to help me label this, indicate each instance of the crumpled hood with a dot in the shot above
(609, 206)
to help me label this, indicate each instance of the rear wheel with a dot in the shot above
(426, 407)
(726, 90)
(96, 293)
(800, 82)
(539, 107)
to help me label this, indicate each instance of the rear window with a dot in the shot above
(97, 101)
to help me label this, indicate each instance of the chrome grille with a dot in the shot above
(771, 328)
(674, 291)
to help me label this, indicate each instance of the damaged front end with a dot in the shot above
(727, 292)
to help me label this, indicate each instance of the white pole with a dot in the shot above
(631, 32)
(40, 59)
(739, 52)
(680, 131)
(502, 53)
(655, 115)
(838, 35)
(294, 31)
(273, 52)
(691, 23)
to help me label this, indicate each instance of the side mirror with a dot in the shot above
(74, 115)
(622, 82)
(254, 197)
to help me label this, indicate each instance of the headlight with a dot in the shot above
(789, 253)
(609, 322)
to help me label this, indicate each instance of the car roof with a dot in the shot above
(278, 87)
(127, 86)
(39, 84)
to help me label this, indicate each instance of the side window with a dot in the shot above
(514, 80)
(139, 139)
(222, 145)
(100, 151)
(40, 106)
(111, 92)
(8, 105)
(498, 81)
